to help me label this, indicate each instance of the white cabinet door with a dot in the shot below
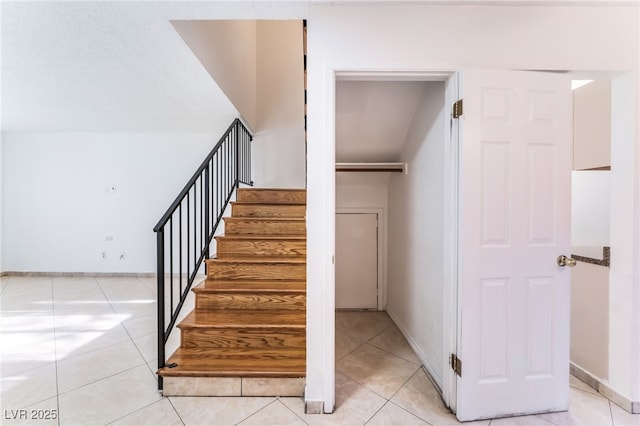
(514, 220)
(356, 261)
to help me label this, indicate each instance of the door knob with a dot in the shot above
(565, 261)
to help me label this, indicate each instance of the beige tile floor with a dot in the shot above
(83, 350)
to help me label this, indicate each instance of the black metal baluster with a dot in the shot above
(160, 307)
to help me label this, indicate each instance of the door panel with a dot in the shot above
(356, 261)
(514, 220)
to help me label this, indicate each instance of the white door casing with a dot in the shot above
(514, 220)
(356, 261)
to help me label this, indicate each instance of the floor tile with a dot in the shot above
(29, 387)
(158, 413)
(90, 367)
(274, 414)
(420, 397)
(520, 421)
(70, 344)
(578, 384)
(148, 346)
(141, 326)
(83, 321)
(217, 411)
(376, 369)
(109, 399)
(392, 415)
(355, 328)
(622, 417)
(392, 341)
(361, 326)
(355, 405)
(28, 341)
(585, 409)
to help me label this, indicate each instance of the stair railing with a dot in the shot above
(186, 230)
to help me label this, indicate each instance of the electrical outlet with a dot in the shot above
(104, 254)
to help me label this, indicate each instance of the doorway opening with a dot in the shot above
(381, 121)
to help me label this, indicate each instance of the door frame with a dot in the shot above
(381, 247)
(450, 181)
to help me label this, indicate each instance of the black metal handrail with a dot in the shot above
(185, 231)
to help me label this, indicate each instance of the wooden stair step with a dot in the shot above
(261, 295)
(243, 329)
(236, 362)
(247, 209)
(301, 260)
(267, 301)
(257, 268)
(272, 195)
(261, 286)
(272, 225)
(230, 319)
(260, 245)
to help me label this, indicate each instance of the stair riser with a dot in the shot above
(293, 302)
(257, 271)
(229, 247)
(272, 197)
(243, 338)
(272, 210)
(264, 227)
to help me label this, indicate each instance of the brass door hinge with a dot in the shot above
(457, 109)
(456, 364)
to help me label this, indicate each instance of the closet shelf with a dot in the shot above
(371, 167)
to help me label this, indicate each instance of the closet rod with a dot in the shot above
(370, 167)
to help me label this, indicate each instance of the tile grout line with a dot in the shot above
(174, 409)
(55, 348)
(255, 412)
(293, 412)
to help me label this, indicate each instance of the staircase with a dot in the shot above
(247, 334)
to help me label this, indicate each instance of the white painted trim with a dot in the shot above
(450, 312)
(382, 247)
(450, 308)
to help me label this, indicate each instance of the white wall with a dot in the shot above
(624, 330)
(416, 238)
(349, 37)
(592, 125)
(590, 208)
(58, 212)
(590, 319)
(278, 153)
(227, 50)
(259, 66)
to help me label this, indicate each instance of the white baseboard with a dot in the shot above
(604, 389)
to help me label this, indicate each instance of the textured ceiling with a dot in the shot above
(120, 66)
(112, 66)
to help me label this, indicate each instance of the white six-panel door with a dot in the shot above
(514, 220)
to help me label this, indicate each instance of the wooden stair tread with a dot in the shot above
(296, 237)
(272, 195)
(263, 219)
(260, 259)
(231, 318)
(266, 203)
(231, 362)
(271, 286)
